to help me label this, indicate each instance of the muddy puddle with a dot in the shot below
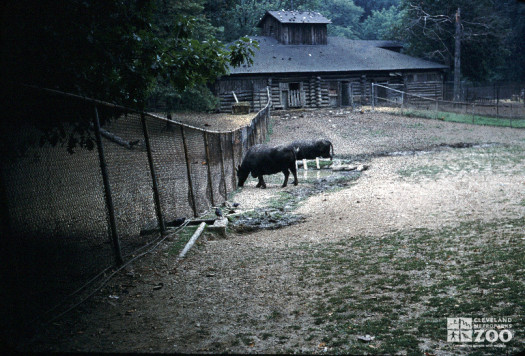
(279, 204)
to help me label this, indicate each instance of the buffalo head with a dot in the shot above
(242, 175)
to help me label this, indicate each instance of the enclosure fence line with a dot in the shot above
(67, 217)
(396, 98)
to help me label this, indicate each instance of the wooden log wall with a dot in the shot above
(428, 89)
(297, 34)
(315, 90)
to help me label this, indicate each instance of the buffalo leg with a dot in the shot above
(261, 182)
(294, 172)
(286, 175)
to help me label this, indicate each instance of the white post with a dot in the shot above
(317, 162)
(373, 98)
(305, 166)
(194, 238)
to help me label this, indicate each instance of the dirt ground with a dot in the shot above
(432, 229)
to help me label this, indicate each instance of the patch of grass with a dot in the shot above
(283, 200)
(508, 158)
(417, 125)
(428, 171)
(464, 118)
(183, 236)
(270, 129)
(401, 288)
(274, 315)
(266, 336)
(246, 339)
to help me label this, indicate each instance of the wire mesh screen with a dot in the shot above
(170, 167)
(56, 214)
(218, 179)
(131, 182)
(57, 237)
(198, 169)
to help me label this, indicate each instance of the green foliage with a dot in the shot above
(378, 26)
(238, 18)
(345, 16)
(197, 98)
(119, 51)
(377, 5)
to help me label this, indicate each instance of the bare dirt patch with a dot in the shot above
(422, 235)
(215, 121)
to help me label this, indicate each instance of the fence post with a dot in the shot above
(373, 96)
(497, 102)
(188, 169)
(210, 183)
(156, 198)
(107, 190)
(5, 220)
(233, 159)
(222, 168)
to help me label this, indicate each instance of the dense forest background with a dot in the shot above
(134, 52)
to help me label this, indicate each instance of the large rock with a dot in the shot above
(219, 227)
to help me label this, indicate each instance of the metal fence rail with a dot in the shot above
(394, 97)
(67, 217)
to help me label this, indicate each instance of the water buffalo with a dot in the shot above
(262, 160)
(311, 149)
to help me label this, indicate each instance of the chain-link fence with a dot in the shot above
(493, 112)
(67, 217)
(489, 93)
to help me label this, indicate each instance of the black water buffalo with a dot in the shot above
(311, 149)
(262, 160)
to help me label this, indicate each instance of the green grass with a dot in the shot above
(270, 130)
(183, 236)
(400, 288)
(464, 118)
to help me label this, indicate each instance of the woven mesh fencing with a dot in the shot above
(56, 216)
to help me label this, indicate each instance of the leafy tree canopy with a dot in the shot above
(378, 26)
(113, 50)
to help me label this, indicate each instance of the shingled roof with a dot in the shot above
(338, 55)
(295, 17)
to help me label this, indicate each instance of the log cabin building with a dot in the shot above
(305, 68)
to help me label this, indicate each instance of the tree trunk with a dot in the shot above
(457, 58)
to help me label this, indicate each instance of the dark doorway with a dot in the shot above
(345, 94)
